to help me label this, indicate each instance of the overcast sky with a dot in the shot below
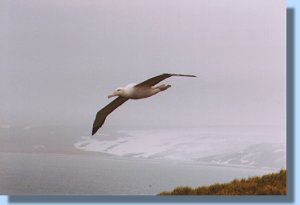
(61, 58)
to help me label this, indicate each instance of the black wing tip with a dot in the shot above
(94, 130)
(185, 75)
(194, 76)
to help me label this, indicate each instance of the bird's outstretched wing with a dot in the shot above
(153, 81)
(104, 112)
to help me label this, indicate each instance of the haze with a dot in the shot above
(60, 60)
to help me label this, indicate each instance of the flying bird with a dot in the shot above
(144, 89)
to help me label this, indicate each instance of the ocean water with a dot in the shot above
(52, 174)
(68, 161)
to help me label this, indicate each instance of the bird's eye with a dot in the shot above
(118, 89)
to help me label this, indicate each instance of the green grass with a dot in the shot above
(271, 184)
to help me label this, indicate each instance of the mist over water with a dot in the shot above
(66, 160)
(254, 147)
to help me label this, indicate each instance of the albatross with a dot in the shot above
(134, 91)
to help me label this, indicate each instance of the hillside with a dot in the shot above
(271, 184)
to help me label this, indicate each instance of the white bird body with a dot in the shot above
(134, 91)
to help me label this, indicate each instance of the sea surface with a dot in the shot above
(61, 161)
(52, 174)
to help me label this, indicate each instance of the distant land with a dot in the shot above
(271, 184)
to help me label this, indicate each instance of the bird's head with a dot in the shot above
(117, 92)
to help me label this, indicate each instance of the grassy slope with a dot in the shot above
(271, 184)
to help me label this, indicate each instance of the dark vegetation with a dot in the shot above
(271, 184)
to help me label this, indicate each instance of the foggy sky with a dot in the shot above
(60, 60)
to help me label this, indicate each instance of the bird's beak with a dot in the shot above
(110, 96)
